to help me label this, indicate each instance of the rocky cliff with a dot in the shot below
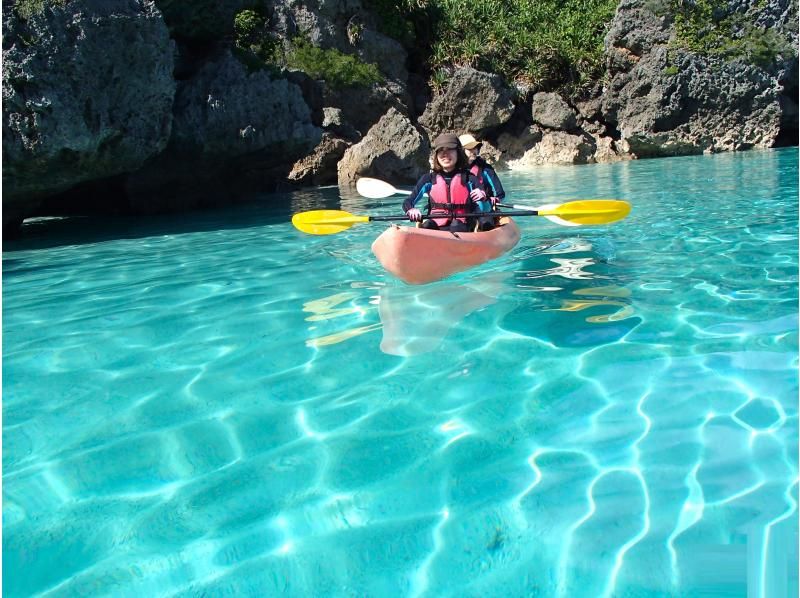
(145, 106)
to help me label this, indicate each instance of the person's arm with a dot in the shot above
(480, 198)
(473, 182)
(493, 184)
(414, 198)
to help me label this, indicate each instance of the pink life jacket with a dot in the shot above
(449, 200)
(478, 172)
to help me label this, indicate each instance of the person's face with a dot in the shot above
(447, 158)
(473, 152)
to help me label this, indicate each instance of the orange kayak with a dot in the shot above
(419, 255)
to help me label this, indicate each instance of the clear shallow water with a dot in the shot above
(216, 404)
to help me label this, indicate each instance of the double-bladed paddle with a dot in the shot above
(586, 211)
(596, 211)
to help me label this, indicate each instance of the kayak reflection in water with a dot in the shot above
(452, 189)
(418, 319)
(487, 177)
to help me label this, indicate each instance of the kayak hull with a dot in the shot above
(419, 255)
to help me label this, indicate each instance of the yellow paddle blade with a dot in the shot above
(590, 211)
(325, 222)
(554, 219)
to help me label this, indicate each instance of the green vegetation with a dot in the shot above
(558, 44)
(28, 8)
(398, 18)
(337, 69)
(438, 80)
(549, 44)
(708, 27)
(253, 40)
(257, 48)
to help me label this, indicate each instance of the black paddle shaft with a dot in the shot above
(475, 215)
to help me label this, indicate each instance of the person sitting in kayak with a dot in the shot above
(451, 188)
(486, 176)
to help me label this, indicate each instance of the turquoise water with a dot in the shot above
(217, 404)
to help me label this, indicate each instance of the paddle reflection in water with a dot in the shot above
(328, 308)
(567, 317)
(602, 294)
(580, 291)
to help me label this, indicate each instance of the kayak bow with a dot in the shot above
(420, 255)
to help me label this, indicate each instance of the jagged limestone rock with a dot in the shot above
(473, 101)
(556, 147)
(233, 130)
(394, 150)
(664, 100)
(320, 166)
(552, 111)
(201, 20)
(87, 94)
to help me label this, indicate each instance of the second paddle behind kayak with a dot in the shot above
(420, 255)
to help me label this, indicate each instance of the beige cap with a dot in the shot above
(468, 141)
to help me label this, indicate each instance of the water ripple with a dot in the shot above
(225, 406)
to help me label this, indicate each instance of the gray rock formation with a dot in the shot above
(582, 143)
(556, 147)
(362, 107)
(473, 101)
(231, 128)
(343, 25)
(91, 98)
(666, 101)
(707, 106)
(512, 146)
(320, 166)
(394, 150)
(552, 111)
(333, 121)
(201, 20)
(385, 52)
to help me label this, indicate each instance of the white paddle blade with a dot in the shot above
(377, 189)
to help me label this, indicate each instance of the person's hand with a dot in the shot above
(494, 201)
(477, 195)
(414, 215)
